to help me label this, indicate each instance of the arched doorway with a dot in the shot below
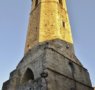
(28, 75)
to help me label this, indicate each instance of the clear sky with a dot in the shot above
(14, 16)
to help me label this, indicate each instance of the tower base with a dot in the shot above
(50, 65)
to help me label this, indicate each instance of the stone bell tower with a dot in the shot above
(49, 62)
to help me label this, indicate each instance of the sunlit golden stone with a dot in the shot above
(48, 20)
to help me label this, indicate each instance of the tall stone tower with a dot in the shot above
(48, 21)
(49, 62)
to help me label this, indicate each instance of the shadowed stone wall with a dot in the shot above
(49, 65)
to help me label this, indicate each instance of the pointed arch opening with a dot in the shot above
(28, 75)
(60, 2)
(36, 2)
(71, 67)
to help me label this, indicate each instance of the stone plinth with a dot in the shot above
(49, 66)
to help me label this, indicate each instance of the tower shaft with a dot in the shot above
(48, 21)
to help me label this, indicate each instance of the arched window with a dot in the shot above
(63, 24)
(71, 66)
(60, 1)
(28, 75)
(36, 2)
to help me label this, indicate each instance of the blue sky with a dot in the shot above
(14, 16)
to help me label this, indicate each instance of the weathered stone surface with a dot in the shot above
(64, 72)
(48, 20)
(94, 88)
